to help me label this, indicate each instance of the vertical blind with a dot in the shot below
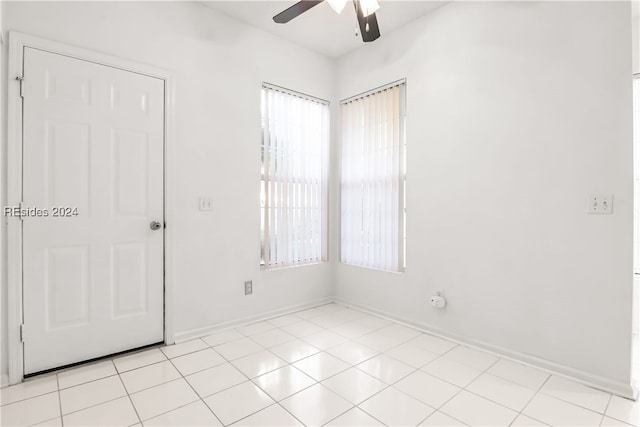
(373, 174)
(293, 194)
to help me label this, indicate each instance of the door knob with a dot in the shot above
(155, 225)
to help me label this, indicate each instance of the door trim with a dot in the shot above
(17, 43)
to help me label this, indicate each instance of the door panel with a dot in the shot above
(130, 172)
(67, 164)
(129, 279)
(93, 144)
(66, 287)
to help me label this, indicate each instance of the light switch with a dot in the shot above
(206, 204)
(600, 204)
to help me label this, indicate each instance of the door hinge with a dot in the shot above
(22, 332)
(20, 79)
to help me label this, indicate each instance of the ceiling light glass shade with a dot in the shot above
(368, 6)
(337, 5)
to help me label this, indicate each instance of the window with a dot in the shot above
(373, 179)
(295, 133)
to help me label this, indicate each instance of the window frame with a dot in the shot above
(402, 176)
(265, 237)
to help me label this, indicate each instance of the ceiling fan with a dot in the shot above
(365, 11)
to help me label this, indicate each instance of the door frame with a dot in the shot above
(17, 43)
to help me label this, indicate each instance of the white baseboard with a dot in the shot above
(596, 381)
(591, 380)
(208, 330)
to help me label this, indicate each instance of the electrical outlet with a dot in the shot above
(205, 203)
(248, 287)
(600, 204)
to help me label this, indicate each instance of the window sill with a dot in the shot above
(287, 267)
(401, 271)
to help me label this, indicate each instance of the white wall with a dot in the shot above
(219, 66)
(517, 112)
(635, 35)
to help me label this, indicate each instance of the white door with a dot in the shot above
(93, 144)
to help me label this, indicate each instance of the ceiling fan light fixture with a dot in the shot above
(337, 5)
(368, 7)
(365, 14)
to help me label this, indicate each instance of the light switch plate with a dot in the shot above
(600, 204)
(205, 204)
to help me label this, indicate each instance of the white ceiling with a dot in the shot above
(320, 28)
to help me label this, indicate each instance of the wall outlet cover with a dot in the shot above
(600, 204)
(205, 204)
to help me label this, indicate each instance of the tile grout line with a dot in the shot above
(183, 377)
(89, 382)
(288, 412)
(618, 419)
(344, 412)
(316, 381)
(30, 380)
(249, 379)
(275, 402)
(167, 382)
(121, 381)
(572, 403)
(361, 409)
(606, 408)
(378, 354)
(228, 388)
(279, 402)
(536, 392)
(126, 390)
(209, 346)
(56, 391)
(194, 390)
(531, 399)
(118, 372)
(437, 409)
(97, 404)
(291, 364)
(388, 386)
(188, 352)
(348, 364)
(59, 400)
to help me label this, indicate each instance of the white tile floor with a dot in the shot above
(329, 365)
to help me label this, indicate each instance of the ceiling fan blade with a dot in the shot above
(295, 10)
(374, 30)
